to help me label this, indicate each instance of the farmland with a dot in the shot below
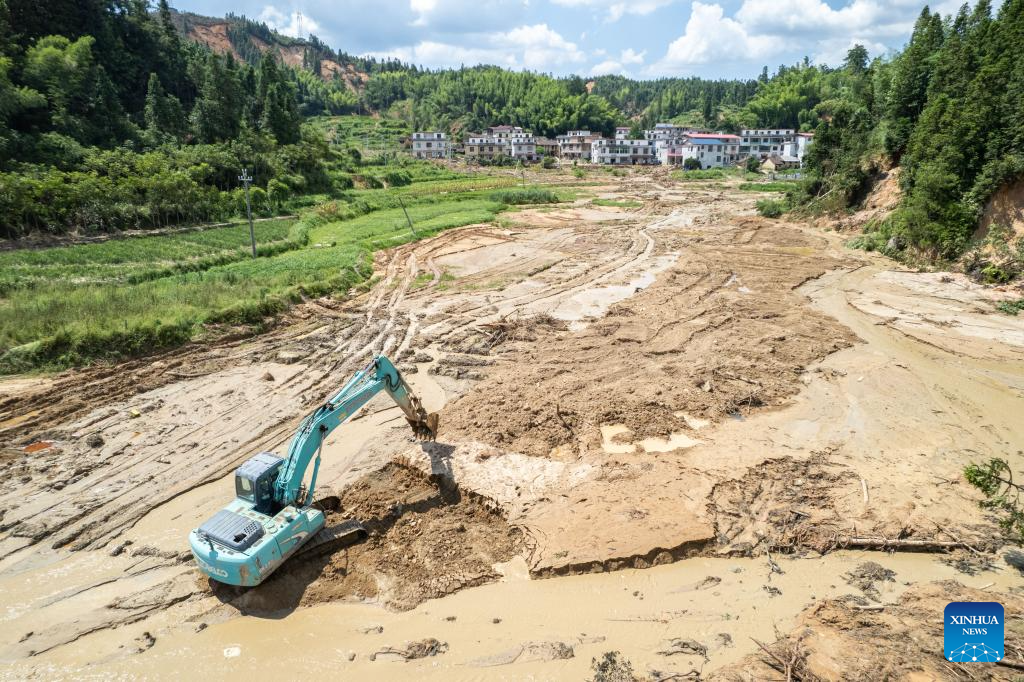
(66, 306)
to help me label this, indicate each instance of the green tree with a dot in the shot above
(857, 60)
(164, 117)
(911, 75)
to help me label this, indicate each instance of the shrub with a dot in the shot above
(398, 178)
(533, 195)
(578, 172)
(753, 164)
(771, 208)
(548, 162)
(691, 164)
(1011, 307)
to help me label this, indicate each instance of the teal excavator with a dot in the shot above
(273, 514)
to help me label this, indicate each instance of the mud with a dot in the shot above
(723, 401)
(905, 641)
(722, 335)
(426, 540)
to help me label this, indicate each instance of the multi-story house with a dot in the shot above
(547, 147)
(793, 152)
(765, 141)
(576, 144)
(622, 133)
(663, 132)
(510, 141)
(623, 152)
(485, 147)
(709, 152)
(523, 148)
(506, 132)
(730, 144)
(429, 145)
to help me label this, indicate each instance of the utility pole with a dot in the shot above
(407, 218)
(246, 180)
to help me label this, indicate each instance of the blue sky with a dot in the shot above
(637, 38)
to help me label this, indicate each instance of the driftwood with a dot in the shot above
(912, 545)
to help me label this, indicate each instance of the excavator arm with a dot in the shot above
(267, 522)
(379, 375)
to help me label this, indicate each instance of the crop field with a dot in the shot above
(64, 306)
(778, 186)
(369, 135)
(138, 257)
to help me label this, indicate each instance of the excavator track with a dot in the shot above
(334, 537)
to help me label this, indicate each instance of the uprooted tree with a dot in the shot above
(995, 479)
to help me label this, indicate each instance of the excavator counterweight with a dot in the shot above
(273, 515)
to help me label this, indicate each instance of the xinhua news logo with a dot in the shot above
(973, 632)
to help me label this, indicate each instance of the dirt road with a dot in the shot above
(681, 385)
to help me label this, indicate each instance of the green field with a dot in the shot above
(612, 203)
(783, 186)
(140, 258)
(69, 305)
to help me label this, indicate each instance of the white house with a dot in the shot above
(730, 144)
(429, 145)
(576, 144)
(793, 152)
(511, 141)
(710, 152)
(765, 141)
(523, 147)
(623, 152)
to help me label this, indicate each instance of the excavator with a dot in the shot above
(273, 514)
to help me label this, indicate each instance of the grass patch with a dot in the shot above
(532, 195)
(74, 321)
(710, 174)
(628, 203)
(1011, 307)
(784, 186)
(136, 259)
(772, 208)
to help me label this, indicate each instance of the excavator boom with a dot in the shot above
(272, 516)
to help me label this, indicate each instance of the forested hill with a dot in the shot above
(475, 97)
(949, 110)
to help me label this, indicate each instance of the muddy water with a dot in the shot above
(720, 603)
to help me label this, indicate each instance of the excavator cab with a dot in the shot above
(254, 481)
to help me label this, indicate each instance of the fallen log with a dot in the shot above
(913, 545)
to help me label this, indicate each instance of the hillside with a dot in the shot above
(247, 40)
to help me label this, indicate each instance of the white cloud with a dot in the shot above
(608, 67)
(288, 24)
(762, 29)
(535, 47)
(466, 16)
(710, 35)
(631, 56)
(616, 9)
(618, 66)
(797, 17)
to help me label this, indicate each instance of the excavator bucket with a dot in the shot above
(425, 428)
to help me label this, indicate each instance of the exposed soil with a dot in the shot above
(882, 200)
(723, 334)
(1006, 208)
(904, 641)
(425, 541)
(683, 383)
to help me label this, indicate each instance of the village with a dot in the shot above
(667, 144)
